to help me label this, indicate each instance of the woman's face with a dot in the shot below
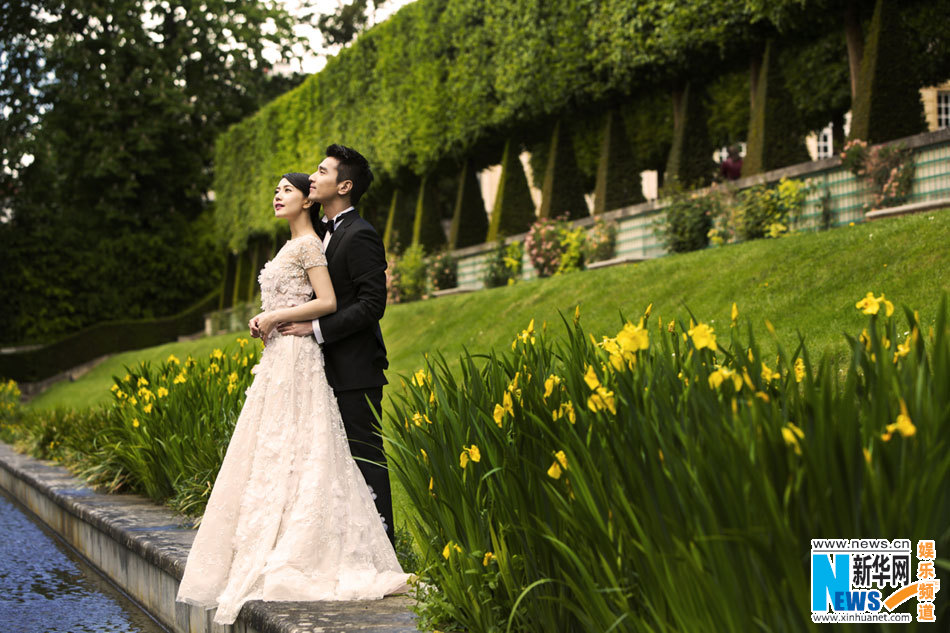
(288, 200)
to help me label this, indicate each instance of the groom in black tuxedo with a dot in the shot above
(353, 349)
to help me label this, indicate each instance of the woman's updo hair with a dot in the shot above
(301, 181)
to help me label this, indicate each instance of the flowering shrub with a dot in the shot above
(503, 266)
(543, 245)
(762, 211)
(9, 398)
(720, 215)
(164, 434)
(406, 275)
(641, 482)
(54, 434)
(688, 218)
(574, 245)
(9, 408)
(601, 241)
(170, 425)
(443, 271)
(887, 169)
(854, 155)
(554, 247)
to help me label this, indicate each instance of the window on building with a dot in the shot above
(943, 109)
(826, 142)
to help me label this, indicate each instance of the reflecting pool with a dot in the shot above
(46, 588)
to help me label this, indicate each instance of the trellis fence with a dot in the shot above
(829, 183)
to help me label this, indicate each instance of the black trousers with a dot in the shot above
(359, 408)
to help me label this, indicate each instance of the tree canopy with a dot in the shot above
(110, 114)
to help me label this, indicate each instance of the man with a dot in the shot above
(353, 349)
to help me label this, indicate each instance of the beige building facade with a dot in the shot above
(936, 100)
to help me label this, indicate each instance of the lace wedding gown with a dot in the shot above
(290, 516)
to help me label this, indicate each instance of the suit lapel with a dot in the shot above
(338, 234)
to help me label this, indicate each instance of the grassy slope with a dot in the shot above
(93, 387)
(803, 282)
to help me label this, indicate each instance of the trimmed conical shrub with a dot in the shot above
(887, 104)
(513, 212)
(563, 190)
(469, 220)
(427, 226)
(618, 179)
(690, 162)
(399, 222)
(773, 138)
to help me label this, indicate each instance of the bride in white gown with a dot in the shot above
(290, 517)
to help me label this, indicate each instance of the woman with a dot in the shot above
(290, 517)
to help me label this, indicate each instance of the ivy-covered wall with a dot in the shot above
(443, 79)
(443, 82)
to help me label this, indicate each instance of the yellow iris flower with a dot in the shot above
(703, 336)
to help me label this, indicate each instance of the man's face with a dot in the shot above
(323, 184)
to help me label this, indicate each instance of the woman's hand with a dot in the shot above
(254, 327)
(267, 322)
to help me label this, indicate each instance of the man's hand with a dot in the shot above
(254, 327)
(296, 328)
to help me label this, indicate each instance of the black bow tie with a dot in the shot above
(325, 226)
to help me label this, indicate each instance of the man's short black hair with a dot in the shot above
(353, 167)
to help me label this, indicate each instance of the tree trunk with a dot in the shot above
(855, 40)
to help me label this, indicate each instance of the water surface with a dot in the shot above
(46, 588)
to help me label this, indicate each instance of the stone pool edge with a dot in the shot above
(142, 548)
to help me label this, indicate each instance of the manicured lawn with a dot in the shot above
(805, 283)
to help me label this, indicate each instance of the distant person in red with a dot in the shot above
(731, 167)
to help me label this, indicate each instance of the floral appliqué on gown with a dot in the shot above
(290, 516)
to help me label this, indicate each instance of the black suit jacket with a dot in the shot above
(353, 350)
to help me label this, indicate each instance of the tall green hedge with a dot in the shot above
(887, 104)
(563, 189)
(513, 212)
(104, 338)
(469, 220)
(443, 78)
(774, 134)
